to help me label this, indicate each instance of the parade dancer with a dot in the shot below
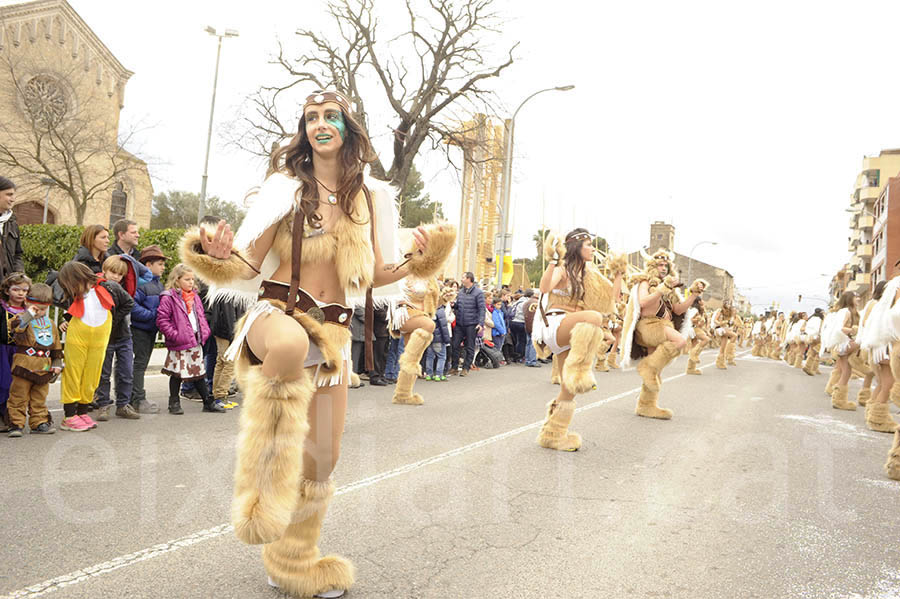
(692, 328)
(875, 338)
(756, 337)
(570, 326)
(321, 234)
(813, 331)
(723, 329)
(860, 359)
(652, 320)
(792, 339)
(838, 336)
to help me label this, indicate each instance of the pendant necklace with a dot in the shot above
(332, 199)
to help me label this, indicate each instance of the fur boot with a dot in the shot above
(892, 466)
(863, 396)
(798, 359)
(555, 431)
(273, 427)
(647, 405)
(878, 418)
(611, 360)
(720, 359)
(694, 360)
(812, 363)
(602, 365)
(554, 371)
(585, 341)
(729, 353)
(293, 562)
(410, 368)
(839, 399)
(832, 380)
(650, 367)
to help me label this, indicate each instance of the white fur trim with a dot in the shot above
(628, 334)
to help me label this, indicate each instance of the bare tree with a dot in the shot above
(61, 136)
(437, 66)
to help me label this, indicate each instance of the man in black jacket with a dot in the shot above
(126, 235)
(12, 258)
(469, 309)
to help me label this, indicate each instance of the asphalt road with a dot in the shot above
(757, 488)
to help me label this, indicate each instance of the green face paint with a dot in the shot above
(336, 120)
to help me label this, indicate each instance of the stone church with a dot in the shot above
(61, 93)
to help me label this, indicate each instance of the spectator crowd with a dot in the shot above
(116, 309)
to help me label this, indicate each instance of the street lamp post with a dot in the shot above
(507, 170)
(691, 258)
(201, 211)
(49, 183)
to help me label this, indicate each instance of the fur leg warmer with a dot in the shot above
(729, 353)
(293, 562)
(585, 341)
(878, 418)
(647, 405)
(720, 359)
(650, 367)
(555, 431)
(555, 379)
(812, 362)
(602, 365)
(863, 396)
(839, 399)
(832, 380)
(269, 453)
(692, 367)
(611, 360)
(410, 368)
(441, 241)
(892, 466)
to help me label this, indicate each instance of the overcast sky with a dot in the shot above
(741, 123)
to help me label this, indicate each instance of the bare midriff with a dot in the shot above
(320, 280)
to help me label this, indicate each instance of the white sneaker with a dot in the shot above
(332, 594)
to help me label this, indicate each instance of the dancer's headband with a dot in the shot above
(321, 96)
(581, 235)
(32, 300)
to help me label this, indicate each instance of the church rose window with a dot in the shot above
(46, 100)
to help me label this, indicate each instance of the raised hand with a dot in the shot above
(219, 245)
(420, 236)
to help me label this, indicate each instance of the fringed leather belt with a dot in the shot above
(332, 313)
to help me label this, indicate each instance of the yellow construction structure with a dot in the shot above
(479, 215)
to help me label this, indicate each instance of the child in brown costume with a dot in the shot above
(38, 361)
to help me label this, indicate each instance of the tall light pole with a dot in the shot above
(49, 183)
(201, 211)
(691, 258)
(507, 170)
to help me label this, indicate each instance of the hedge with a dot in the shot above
(47, 247)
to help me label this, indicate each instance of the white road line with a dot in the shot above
(85, 574)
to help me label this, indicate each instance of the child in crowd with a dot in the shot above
(438, 348)
(37, 363)
(13, 290)
(119, 347)
(182, 321)
(499, 330)
(143, 325)
(89, 321)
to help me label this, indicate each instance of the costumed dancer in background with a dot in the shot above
(756, 338)
(792, 339)
(723, 328)
(651, 327)
(813, 331)
(838, 335)
(731, 348)
(875, 338)
(692, 328)
(616, 328)
(860, 360)
(320, 233)
(569, 329)
(414, 319)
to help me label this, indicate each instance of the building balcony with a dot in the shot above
(864, 250)
(866, 222)
(869, 194)
(863, 279)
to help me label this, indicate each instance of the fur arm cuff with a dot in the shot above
(426, 264)
(211, 270)
(617, 265)
(554, 248)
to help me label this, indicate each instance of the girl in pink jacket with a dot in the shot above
(181, 320)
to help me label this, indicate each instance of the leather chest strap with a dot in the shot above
(296, 251)
(370, 302)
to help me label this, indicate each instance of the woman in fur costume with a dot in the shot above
(723, 329)
(860, 360)
(874, 343)
(692, 329)
(651, 331)
(570, 326)
(320, 234)
(813, 331)
(839, 336)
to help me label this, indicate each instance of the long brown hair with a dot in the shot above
(295, 159)
(76, 279)
(847, 301)
(575, 263)
(89, 235)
